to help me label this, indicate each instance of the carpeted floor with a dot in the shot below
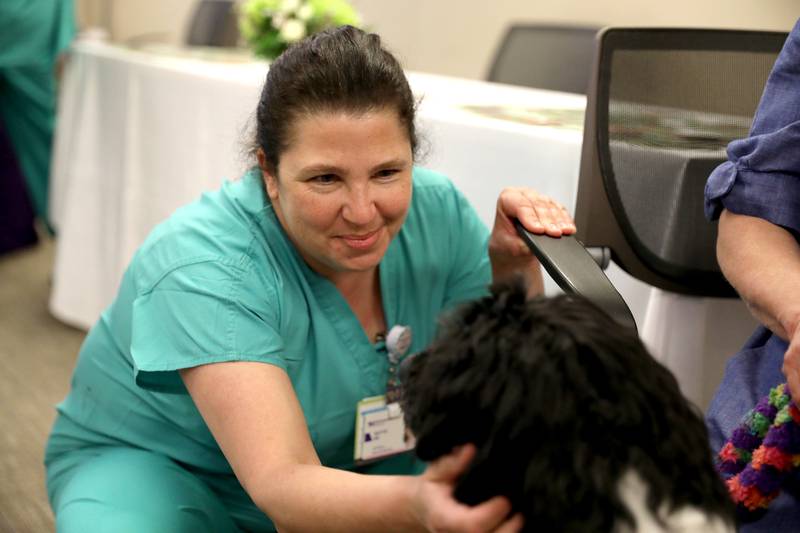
(36, 357)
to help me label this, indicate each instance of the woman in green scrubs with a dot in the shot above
(33, 34)
(219, 391)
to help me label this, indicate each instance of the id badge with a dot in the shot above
(380, 430)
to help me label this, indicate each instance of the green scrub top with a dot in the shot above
(33, 33)
(220, 281)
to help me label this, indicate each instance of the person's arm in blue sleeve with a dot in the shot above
(756, 195)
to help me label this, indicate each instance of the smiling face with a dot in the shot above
(343, 188)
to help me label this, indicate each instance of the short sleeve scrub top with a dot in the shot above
(220, 281)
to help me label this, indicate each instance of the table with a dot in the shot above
(142, 132)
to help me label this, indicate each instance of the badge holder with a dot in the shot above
(380, 427)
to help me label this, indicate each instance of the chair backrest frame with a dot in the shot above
(599, 206)
(213, 23)
(581, 51)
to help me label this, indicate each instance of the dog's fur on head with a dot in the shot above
(561, 402)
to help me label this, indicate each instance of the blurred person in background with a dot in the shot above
(33, 36)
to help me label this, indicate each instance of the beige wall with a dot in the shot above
(459, 37)
(132, 20)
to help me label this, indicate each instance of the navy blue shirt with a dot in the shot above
(761, 179)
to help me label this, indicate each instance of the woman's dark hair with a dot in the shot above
(340, 69)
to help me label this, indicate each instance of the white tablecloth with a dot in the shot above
(141, 133)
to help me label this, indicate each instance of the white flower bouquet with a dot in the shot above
(270, 26)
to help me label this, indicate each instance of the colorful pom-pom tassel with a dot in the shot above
(762, 451)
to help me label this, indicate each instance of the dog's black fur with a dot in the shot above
(560, 402)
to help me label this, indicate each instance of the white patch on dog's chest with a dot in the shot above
(633, 492)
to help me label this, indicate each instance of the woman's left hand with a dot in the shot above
(538, 214)
(439, 512)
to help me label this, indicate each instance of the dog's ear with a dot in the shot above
(428, 409)
(415, 398)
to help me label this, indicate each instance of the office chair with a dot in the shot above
(662, 106)
(213, 23)
(558, 58)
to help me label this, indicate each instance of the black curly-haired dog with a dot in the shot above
(563, 406)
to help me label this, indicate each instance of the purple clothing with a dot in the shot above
(761, 178)
(16, 212)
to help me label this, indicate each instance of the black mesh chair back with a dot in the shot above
(213, 23)
(558, 58)
(663, 105)
(661, 108)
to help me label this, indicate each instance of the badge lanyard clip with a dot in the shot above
(398, 341)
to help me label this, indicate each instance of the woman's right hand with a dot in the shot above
(439, 512)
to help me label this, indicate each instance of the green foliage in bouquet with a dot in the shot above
(270, 26)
